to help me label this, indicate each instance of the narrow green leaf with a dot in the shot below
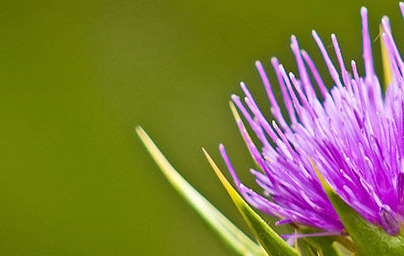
(233, 236)
(369, 239)
(267, 237)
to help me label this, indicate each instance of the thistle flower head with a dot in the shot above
(353, 133)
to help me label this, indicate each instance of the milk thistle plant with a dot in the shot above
(331, 165)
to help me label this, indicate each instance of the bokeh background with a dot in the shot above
(76, 77)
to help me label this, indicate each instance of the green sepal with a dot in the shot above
(369, 239)
(233, 236)
(273, 244)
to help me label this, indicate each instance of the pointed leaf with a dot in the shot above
(233, 236)
(369, 239)
(267, 237)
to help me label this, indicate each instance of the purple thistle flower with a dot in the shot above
(354, 134)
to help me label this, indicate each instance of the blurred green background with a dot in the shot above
(76, 77)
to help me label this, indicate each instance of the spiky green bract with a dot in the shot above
(273, 244)
(369, 239)
(236, 239)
